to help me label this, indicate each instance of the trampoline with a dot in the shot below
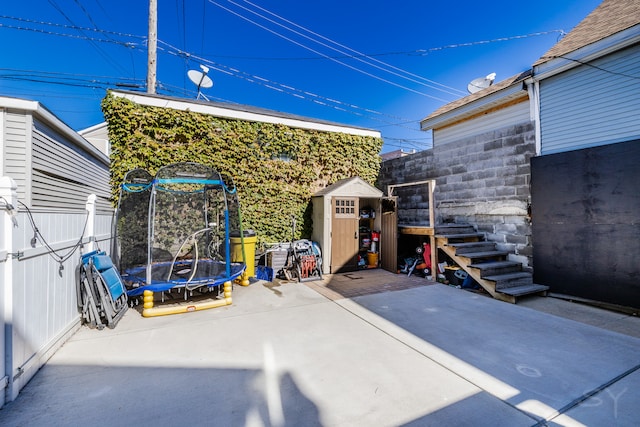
(171, 236)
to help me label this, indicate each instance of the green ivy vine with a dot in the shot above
(276, 168)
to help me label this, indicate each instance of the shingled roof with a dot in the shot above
(611, 17)
(503, 84)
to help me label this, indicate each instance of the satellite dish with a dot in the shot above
(481, 83)
(201, 80)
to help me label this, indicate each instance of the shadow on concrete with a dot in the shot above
(366, 282)
(112, 396)
(541, 364)
(495, 364)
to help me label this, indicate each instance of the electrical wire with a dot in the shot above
(382, 79)
(295, 92)
(302, 94)
(100, 51)
(587, 64)
(52, 252)
(74, 36)
(71, 27)
(358, 55)
(98, 84)
(415, 52)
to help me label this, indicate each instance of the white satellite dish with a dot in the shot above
(481, 83)
(201, 80)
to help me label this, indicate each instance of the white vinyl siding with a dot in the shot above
(63, 176)
(15, 150)
(55, 171)
(593, 104)
(498, 119)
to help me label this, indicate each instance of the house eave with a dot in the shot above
(586, 54)
(476, 107)
(38, 110)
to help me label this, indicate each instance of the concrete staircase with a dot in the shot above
(503, 279)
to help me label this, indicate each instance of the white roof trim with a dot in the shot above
(481, 104)
(350, 187)
(242, 115)
(93, 128)
(34, 107)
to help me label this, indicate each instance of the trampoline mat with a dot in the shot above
(167, 275)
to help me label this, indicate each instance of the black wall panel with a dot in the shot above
(585, 208)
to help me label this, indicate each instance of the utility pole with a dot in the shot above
(152, 44)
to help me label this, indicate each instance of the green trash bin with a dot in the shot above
(250, 240)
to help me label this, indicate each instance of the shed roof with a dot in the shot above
(609, 18)
(350, 187)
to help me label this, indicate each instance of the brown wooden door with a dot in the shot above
(389, 235)
(344, 234)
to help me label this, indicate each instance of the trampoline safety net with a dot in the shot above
(172, 229)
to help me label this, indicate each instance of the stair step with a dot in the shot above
(497, 267)
(510, 280)
(485, 254)
(453, 228)
(459, 236)
(507, 276)
(441, 232)
(524, 290)
(467, 247)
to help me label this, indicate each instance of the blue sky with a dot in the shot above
(376, 64)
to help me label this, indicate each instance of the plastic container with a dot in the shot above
(450, 274)
(250, 240)
(372, 259)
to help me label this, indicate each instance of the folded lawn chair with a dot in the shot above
(102, 299)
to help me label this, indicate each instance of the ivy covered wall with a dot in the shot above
(276, 168)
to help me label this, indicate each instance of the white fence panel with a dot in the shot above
(8, 198)
(39, 291)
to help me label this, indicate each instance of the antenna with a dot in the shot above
(481, 83)
(201, 80)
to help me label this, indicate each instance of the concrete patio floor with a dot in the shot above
(366, 349)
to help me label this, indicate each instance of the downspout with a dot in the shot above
(533, 88)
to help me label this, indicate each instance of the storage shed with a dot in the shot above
(346, 220)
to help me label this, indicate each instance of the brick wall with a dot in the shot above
(481, 180)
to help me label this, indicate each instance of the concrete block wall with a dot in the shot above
(481, 180)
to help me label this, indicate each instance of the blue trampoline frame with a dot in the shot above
(161, 276)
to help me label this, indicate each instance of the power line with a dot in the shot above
(302, 94)
(298, 93)
(358, 55)
(326, 56)
(414, 52)
(104, 82)
(423, 52)
(73, 27)
(92, 43)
